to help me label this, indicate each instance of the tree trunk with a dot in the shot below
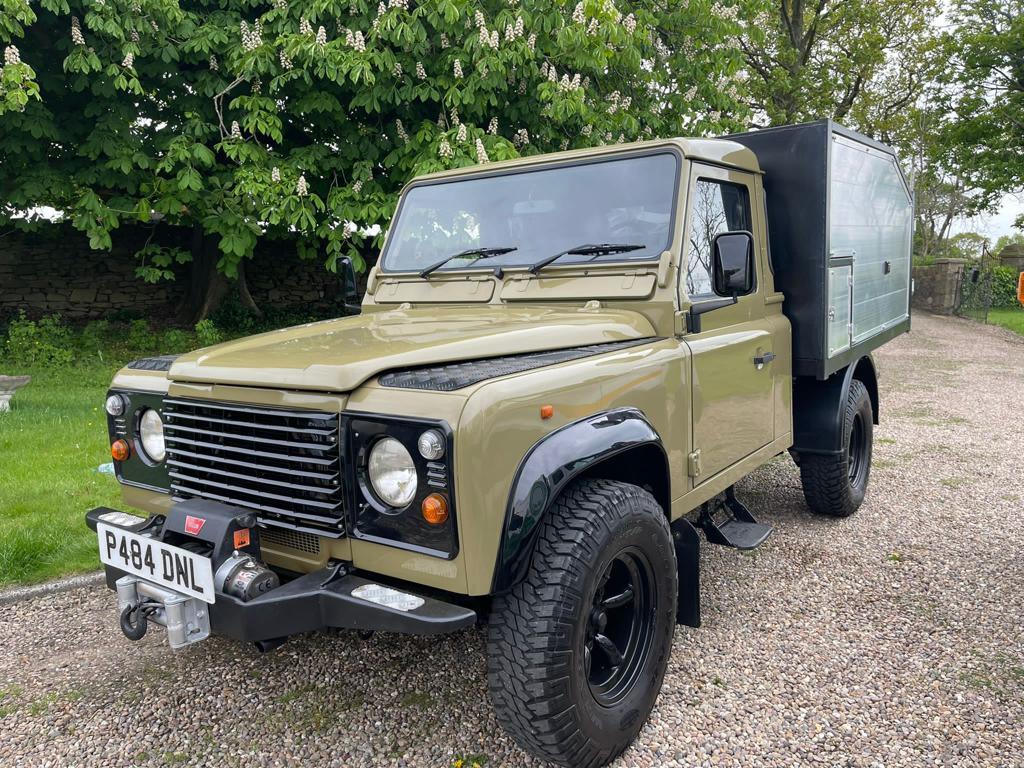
(243, 291)
(207, 286)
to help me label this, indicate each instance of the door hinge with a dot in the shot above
(693, 463)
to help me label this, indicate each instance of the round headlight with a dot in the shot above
(431, 445)
(115, 405)
(151, 435)
(392, 472)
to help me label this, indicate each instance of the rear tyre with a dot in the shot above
(577, 651)
(835, 485)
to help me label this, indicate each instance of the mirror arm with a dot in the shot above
(696, 310)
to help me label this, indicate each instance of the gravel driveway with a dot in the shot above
(893, 638)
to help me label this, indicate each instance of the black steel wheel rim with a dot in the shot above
(620, 626)
(858, 460)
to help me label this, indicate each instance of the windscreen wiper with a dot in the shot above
(587, 249)
(478, 253)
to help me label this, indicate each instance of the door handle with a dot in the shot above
(764, 357)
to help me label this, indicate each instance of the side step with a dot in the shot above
(729, 523)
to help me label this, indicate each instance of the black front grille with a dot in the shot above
(284, 465)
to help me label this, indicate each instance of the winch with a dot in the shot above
(245, 577)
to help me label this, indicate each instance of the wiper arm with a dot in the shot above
(587, 249)
(478, 253)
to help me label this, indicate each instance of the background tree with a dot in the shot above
(300, 120)
(985, 86)
(861, 62)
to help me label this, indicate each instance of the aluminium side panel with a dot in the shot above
(871, 218)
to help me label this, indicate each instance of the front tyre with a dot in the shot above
(835, 485)
(577, 651)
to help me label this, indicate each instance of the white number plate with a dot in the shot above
(171, 567)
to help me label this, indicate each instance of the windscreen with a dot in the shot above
(628, 201)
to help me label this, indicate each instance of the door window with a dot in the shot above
(718, 206)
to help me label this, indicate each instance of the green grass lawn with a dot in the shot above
(51, 443)
(1008, 318)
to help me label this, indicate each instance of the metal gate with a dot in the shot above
(974, 297)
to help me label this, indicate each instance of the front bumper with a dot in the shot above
(315, 601)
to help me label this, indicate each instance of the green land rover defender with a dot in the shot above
(562, 365)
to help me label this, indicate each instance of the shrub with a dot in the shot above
(208, 333)
(1004, 287)
(46, 342)
(175, 340)
(95, 336)
(140, 338)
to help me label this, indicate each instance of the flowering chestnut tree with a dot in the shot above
(300, 120)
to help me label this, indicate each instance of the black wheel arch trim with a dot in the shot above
(569, 452)
(818, 407)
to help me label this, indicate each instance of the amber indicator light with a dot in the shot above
(119, 450)
(435, 509)
(241, 537)
(547, 411)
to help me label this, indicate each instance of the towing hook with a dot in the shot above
(135, 621)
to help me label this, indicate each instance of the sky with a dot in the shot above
(994, 225)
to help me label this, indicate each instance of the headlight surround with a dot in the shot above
(392, 473)
(151, 435)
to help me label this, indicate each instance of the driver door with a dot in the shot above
(732, 394)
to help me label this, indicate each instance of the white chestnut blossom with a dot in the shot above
(587, 129)
(281, 5)
(154, 25)
(460, 135)
(403, 4)
(691, 93)
(630, 23)
(531, 43)
(214, 66)
(358, 42)
(275, 174)
(321, 36)
(521, 138)
(481, 153)
(236, 131)
(579, 16)
(286, 62)
(444, 149)
(592, 27)
(134, 36)
(347, 230)
(76, 32)
(305, 28)
(129, 60)
(397, 69)
(457, 69)
(12, 55)
(302, 188)
(357, 186)
(444, 40)
(256, 86)
(401, 131)
(251, 37)
(492, 127)
(421, 73)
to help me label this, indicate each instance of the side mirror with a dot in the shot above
(733, 263)
(349, 287)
